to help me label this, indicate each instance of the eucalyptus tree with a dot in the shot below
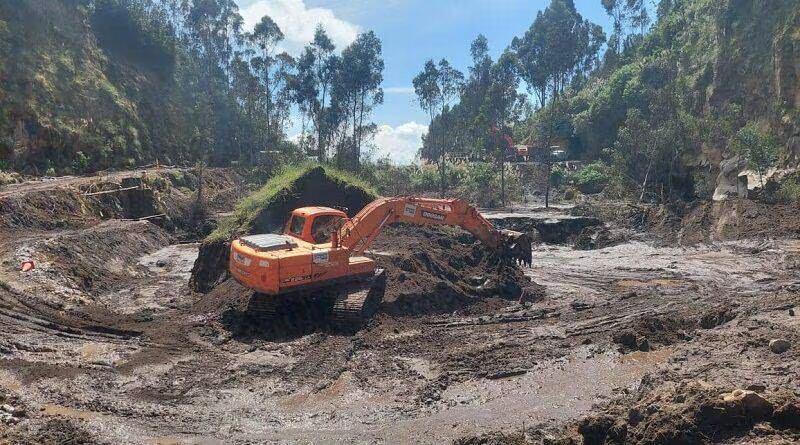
(323, 69)
(559, 45)
(266, 36)
(357, 90)
(436, 87)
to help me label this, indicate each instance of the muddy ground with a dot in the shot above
(631, 340)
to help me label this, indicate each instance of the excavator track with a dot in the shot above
(357, 302)
(263, 306)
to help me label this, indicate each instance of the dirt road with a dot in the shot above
(129, 354)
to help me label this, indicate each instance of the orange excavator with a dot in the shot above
(321, 254)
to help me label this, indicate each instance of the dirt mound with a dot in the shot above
(691, 413)
(430, 270)
(440, 269)
(79, 265)
(266, 210)
(51, 209)
(701, 221)
(80, 202)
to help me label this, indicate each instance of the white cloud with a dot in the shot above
(399, 90)
(400, 143)
(298, 22)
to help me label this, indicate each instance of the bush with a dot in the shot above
(591, 179)
(80, 163)
(789, 190)
(557, 176)
(480, 184)
(757, 147)
(8, 178)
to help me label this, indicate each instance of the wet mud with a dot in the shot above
(632, 342)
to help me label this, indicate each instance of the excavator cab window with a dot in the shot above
(323, 226)
(296, 225)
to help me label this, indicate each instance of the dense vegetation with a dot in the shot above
(93, 84)
(668, 107)
(654, 107)
(662, 108)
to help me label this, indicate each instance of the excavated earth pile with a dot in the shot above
(441, 269)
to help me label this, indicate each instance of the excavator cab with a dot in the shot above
(315, 225)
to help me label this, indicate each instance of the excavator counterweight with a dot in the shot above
(321, 252)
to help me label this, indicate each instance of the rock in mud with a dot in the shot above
(578, 306)
(748, 402)
(626, 339)
(779, 345)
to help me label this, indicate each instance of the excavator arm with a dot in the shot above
(358, 233)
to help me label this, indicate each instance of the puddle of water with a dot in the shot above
(421, 366)
(174, 440)
(651, 358)
(643, 283)
(50, 409)
(9, 381)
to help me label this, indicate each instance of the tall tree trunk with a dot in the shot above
(646, 175)
(547, 186)
(360, 131)
(321, 132)
(503, 179)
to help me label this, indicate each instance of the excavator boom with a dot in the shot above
(358, 233)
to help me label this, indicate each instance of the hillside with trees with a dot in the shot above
(667, 107)
(97, 84)
(678, 96)
(661, 103)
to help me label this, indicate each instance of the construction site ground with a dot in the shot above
(104, 342)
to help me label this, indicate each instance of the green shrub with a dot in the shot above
(481, 184)
(591, 179)
(80, 163)
(557, 176)
(789, 190)
(758, 147)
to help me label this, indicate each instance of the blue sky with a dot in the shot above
(412, 31)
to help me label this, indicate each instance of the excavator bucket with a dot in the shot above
(517, 246)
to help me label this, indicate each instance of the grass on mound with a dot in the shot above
(248, 209)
